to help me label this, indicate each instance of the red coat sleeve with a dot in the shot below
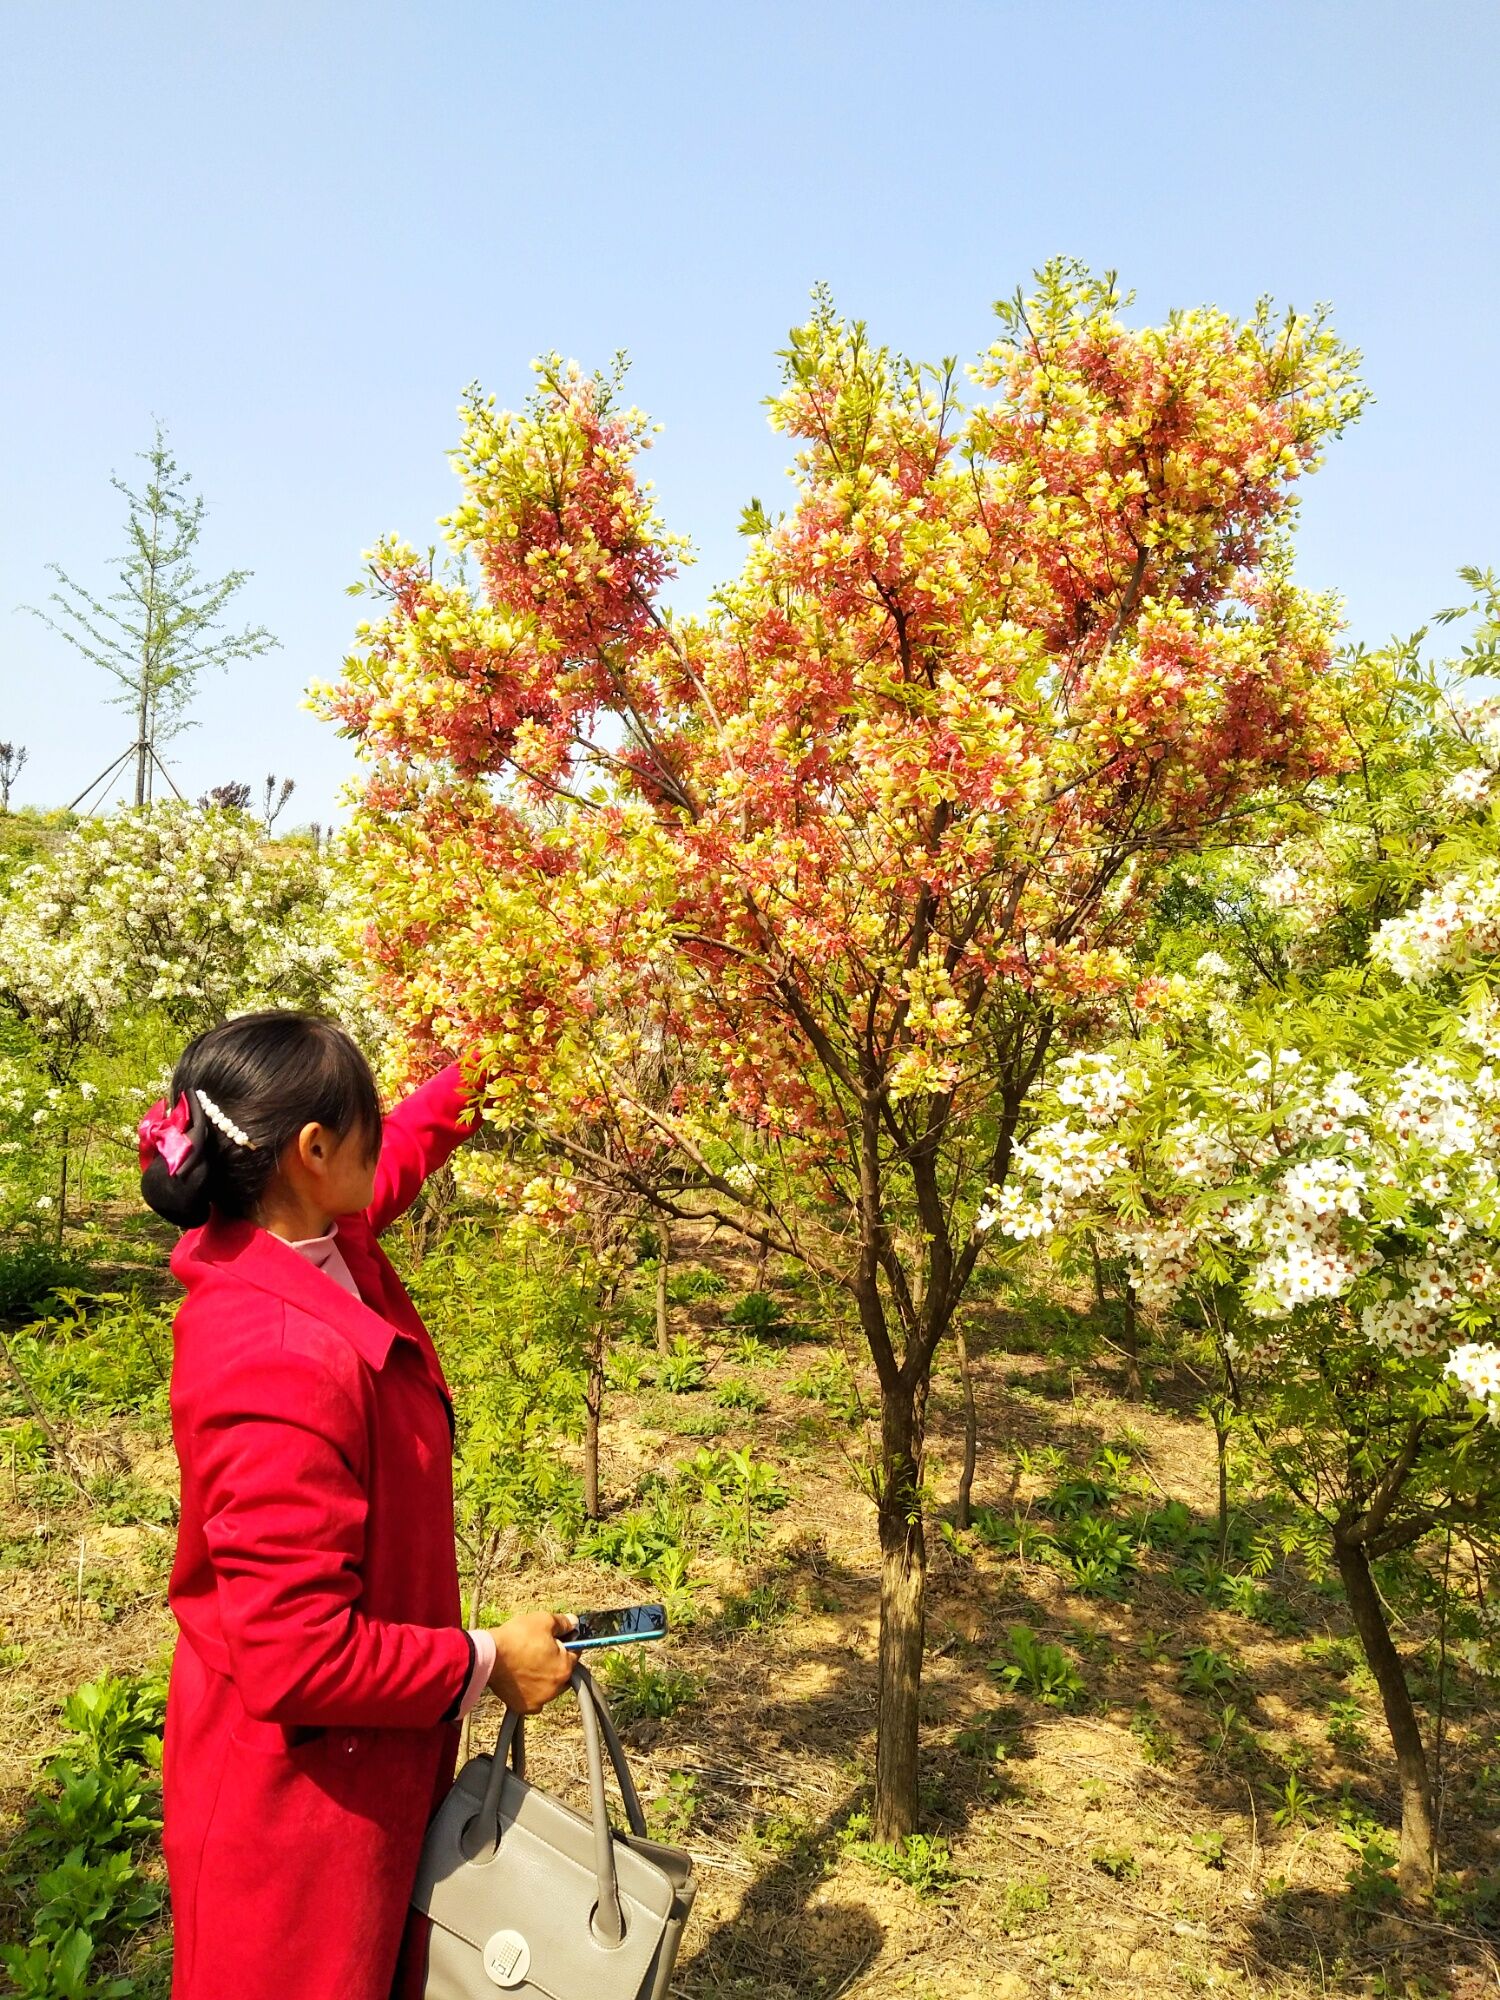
(279, 1450)
(420, 1134)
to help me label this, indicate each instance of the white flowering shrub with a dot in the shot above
(137, 931)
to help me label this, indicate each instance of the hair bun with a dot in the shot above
(182, 1198)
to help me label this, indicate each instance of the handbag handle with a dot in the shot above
(510, 1747)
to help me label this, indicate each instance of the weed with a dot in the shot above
(624, 1370)
(740, 1396)
(671, 1814)
(638, 1690)
(1298, 1806)
(1372, 1882)
(1157, 1743)
(1346, 1723)
(1040, 1669)
(1117, 1862)
(1019, 1899)
(834, 1387)
(1210, 1849)
(684, 1369)
(758, 1609)
(758, 1311)
(1153, 1646)
(1014, 1535)
(690, 1282)
(1208, 1674)
(922, 1861)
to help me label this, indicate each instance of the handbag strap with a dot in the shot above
(598, 1724)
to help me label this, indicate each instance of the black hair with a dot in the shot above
(269, 1074)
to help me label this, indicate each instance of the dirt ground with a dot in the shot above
(1116, 1848)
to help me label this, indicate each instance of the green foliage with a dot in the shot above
(1346, 1723)
(1038, 1668)
(29, 1273)
(1208, 1674)
(832, 1385)
(513, 1331)
(922, 1861)
(734, 1395)
(684, 1369)
(638, 1689)
(1117, 1862)
(1210, 1849)
(81, 1843)
(671, 1814)
(94, 1355)
(1020, 1898)
(1297, 1806)
(689, 1282)
(1157, 1743)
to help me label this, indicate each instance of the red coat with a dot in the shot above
(316, 1590)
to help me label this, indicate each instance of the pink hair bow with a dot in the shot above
(166, 1132)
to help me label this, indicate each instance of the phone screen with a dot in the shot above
(618, 1627)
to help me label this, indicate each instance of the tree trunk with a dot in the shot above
(964, 1504)
(1130, 1340)
(663, 1261)
(593, 1404)
(62, 1190)
(1221, 1452)
(1416, 1869)
(903, 1586)
(1099, 1295)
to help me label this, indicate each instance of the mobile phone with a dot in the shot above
(621, 1627)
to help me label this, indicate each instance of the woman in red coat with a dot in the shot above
(322, 1663)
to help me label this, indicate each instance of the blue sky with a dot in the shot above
(295, 231)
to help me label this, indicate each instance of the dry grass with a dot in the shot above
(1080, 1865)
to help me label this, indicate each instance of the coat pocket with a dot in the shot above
(275, 1739)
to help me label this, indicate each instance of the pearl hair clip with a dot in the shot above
(224, 1122)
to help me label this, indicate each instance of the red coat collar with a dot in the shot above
(251, 1255)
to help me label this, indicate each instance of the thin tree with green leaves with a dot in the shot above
(163, 626)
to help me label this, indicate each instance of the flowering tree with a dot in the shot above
(173, 915)
(851, 850)
(1298, 1154)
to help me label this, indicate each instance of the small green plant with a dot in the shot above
(1210, 1849)
(670, 1815)
(1020, 1898)
(832, 1385)
(1117, 1862)
(1038, 1668)
(684, 1369)
(625, 1370)
(1346, 1723)
(1208, 1674)
(758, 1311)
(1372, 1881)
(80, 1842)
(1077, 1495)
(759, 1609)
(1298, 1807)
(1157, 1743)
(1230, 1733)
(1153, 1646)
(689, 1282)
(1100, 1555)
(740, 1396)
(922, 1861)
(639, 1690)
(1014, 1535)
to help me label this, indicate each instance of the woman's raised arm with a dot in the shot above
(419, 1136)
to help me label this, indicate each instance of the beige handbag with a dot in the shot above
(525, 1896)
